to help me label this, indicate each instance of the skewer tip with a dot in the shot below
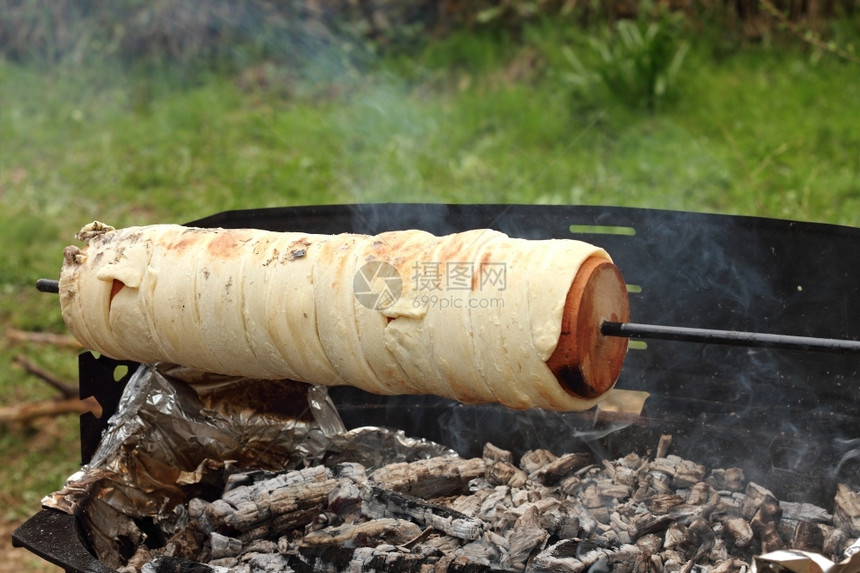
(48, 285)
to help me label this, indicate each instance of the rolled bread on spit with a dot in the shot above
(474, 316)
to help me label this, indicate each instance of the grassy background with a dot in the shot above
(759, 130)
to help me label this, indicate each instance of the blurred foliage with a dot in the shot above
(637, 60)
(233, 35)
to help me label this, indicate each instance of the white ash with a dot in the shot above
(543, 513)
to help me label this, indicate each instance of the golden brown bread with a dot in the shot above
(475, 316)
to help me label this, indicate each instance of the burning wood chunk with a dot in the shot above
(278, 504)
(506, 473)
(755, 497)
(533, 460)
(847, 511)
(223, 546)
(740, 531)
(731, 479)
(553, 471)
(526, 537)
(492, 454)
(808, 537)
(663, 446)
(366, 534)
(434, 477)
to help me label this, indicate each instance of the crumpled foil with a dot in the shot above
(179, 434)
(793, 561)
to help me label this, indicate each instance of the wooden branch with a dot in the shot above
(67, 389)
(49, 338)
(30, 410)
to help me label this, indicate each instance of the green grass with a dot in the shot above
(760, 132)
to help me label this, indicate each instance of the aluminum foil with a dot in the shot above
(792, 561)
(179, 434)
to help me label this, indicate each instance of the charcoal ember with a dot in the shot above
(188, 542)
(660, 482)
(223, 546)
(385, 503)
(702, 494)
(835, 544)
(755, 496)
(522, 496)
(720, 551)
(479, 552)
(794, 513)
(569, 486)
(587, 523)
(267, 563)
(333, 557)
(499, 496)
(344, 498)
(764, 524)
(642, 489)
(230, 564)
(572, 555)
(681, 473)
(430, 478)
(551, 472)
(563, 521)
(492, 454)
(808, 536)
(730, 479)
(472, 503)
(178, 565)
(673, 560)
(620, 525)
(141, 557)
(368, 533)
(688, 474)
(739, 532)
(623, 559)
(533, 460)
(505, 473)
(280, 503)
(846, 513)
(525, 537)
(435, 545)
(559, 557)
(650, 543)
(663, 446)
(769, 536)
(646, 523)
(676, 537)
(701, 539)
(197, 515)
(260, 546)
(660, 504)
(624, 475)
(595, 504)
(612, 492)
(731, 566)
(321, 521)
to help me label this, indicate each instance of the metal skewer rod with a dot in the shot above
(679, 333)
(733, 337)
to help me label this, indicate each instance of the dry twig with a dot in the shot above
(49, 338)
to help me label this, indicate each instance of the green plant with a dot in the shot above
(638, 61)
